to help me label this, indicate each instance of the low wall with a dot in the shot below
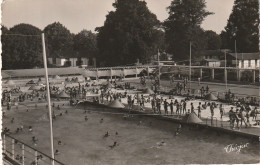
(178, 121)
(74, 71)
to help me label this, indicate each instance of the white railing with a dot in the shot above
(21, 153)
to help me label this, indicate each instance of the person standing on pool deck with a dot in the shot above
(184, 85)
(212, 110)
(231, 118)
(254, 113)
(159, 106)
(153, 105)
(171, 107)
(202, 91)
(143, 100)
(247, 118)
(184, 106)
(207, 89)
(199, 110)
(177, 108)
(165, 107)
(180, 107)
(243, 117)
(221, 111)
(192, 107)
(129, 102)
(237, 118)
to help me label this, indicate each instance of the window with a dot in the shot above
(242, 64)
(249, 63)
(256, 63)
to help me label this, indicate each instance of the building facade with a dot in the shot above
(73, 62)
(210, 58)
(218, 58)
(244, 60)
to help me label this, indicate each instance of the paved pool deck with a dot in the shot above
(218, 125)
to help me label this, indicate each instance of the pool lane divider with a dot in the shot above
(177, 121)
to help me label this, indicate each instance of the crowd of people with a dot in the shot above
(175, 107)
(239, 113)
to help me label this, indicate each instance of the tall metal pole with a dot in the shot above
(48, 96)
(159, 71)
(225, 69)
(259, 47)
(236, 57)
(190, 67)
(236, 51)
(259, 71)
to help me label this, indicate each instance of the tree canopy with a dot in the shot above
(129, 33)
(132, 32)
(59, 40)
(183, 27)
(213, 40)
(242, 26)
(22, 45)
(85, 44)
(20, 51)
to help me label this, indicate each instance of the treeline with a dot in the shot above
(132, 32)
(242, 26)
(22, 45)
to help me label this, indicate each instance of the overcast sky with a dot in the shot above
(88, 14)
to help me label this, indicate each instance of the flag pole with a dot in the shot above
(48, 96)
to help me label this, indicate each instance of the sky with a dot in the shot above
(77, 15)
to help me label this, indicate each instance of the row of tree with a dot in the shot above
(242, 27)
(132, 32)
(22, 45)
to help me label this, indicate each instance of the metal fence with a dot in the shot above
(20, 153)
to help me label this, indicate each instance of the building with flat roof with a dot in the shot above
(216, 58)
(73, 61)
(244, 60)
